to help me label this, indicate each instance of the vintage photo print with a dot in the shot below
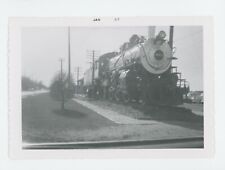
(81, 87)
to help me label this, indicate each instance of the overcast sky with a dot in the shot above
(42, 47)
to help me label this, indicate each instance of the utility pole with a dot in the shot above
(69, 58)
(93, 66)
(78, 75)
(77, 71)
(92, 54)
(62, 89)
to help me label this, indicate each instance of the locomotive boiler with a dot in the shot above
(141, 72)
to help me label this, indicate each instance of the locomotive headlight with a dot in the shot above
(158, 55)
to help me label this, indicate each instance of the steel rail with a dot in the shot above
(119, 144)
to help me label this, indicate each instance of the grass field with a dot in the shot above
(42, 118)
(43, 121)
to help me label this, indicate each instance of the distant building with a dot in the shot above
(80, 86)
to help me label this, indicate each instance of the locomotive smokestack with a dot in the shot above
(151, 32)
(171, 37)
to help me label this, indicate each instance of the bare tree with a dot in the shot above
(61, 88)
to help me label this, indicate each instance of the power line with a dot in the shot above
(93, 55)
(61, 82)
(77, 72)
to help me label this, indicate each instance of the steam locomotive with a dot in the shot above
(141, 72)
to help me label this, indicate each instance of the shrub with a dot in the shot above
(61, 89)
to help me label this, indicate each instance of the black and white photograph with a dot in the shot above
(132, 86)
(123, 87)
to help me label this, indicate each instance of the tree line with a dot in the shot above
(28, 84)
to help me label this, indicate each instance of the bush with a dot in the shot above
(61, 89)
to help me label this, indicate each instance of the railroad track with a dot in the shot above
(194, 142)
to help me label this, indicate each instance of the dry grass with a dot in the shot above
(43, 123)
(122, 132)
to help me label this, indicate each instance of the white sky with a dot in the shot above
(42, 47)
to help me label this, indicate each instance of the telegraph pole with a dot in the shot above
(92, 54)
(62, 90)
(78, 75)
(69, 58)
(93, 66)
(77, 71)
